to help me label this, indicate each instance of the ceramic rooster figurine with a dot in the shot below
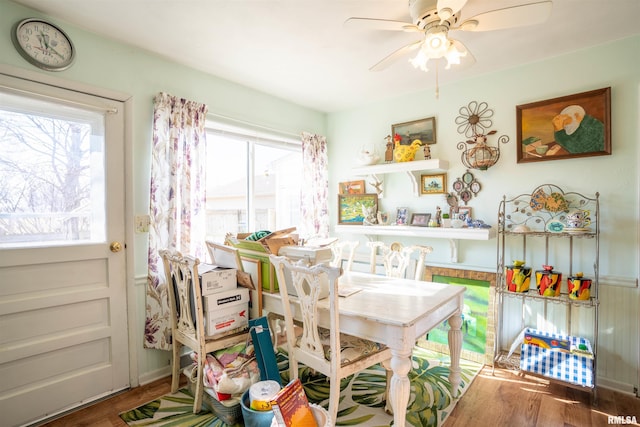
(405, 153)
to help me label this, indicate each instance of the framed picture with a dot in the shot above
(383, 218)
(423, 130)
(433, 184)
(402, 216)
(351, 207)
(464, 212)
(420, 219)
(563, 128)
(253, 268)
(352, 187)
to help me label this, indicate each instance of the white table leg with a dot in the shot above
(455, 346)
(400, 388)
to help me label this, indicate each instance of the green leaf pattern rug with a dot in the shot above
(361, 397)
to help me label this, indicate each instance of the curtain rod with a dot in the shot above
(253, 124)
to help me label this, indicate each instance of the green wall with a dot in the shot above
(108, 65)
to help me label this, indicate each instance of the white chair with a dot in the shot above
(397, 258)
(339, 248)
(187, 319)
(316, 347)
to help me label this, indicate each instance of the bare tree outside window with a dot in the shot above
(48, 160)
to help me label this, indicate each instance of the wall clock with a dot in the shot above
(43, 44)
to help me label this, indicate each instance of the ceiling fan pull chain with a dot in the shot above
(437, 85)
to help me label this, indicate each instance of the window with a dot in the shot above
(253, 181)
(51, 172)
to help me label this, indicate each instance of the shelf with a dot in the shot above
(413, 231)
(453, 234)
(546, 208)
(410, 168)
(416, 165)
(561, 299)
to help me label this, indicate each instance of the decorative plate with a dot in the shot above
(555, 227)
(556, 203)
(576, 230)
(538, 200)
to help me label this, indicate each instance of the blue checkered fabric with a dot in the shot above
(554, 363)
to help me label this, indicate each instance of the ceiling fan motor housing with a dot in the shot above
(425, 12)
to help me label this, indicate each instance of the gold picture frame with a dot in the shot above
(433, 184)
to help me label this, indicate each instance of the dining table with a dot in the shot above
(395, 312)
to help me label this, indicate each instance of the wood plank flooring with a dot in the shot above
(507, 398)
(502, 399)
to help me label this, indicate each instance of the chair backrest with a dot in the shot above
(344, 249)
(307, 281)
(185, 297)
(397, 258)
(224, 255)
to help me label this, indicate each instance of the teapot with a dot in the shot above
(406, 153)
(577, 218)
(367, 157)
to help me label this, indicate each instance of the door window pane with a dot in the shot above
(51, 173)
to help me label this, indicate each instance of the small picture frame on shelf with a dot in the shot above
(383, 218)
(464, 212)
(433, 184)
(420, 219)
(402, 216)
(352, 187)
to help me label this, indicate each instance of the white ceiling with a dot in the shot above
(301, 51)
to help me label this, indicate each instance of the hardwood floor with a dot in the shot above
(105, 413)
(509, 399)
(503, 399)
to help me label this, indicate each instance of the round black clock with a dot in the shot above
(43, 44)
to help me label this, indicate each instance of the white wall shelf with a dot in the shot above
(410, 168)
(452, 234)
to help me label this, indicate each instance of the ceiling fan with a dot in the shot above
(435, 18)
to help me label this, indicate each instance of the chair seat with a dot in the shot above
(352, 348)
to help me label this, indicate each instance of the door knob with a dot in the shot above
(115, 246)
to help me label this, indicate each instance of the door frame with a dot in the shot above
(134, 339)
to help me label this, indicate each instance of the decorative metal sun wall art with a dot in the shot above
(473, 122)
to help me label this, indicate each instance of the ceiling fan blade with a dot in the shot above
(517, 16)
(380, 24)
(447, 8)
(393, 57)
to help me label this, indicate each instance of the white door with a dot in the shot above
(63, 316)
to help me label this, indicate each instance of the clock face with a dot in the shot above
(44, 45)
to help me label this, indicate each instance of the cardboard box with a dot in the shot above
(226, 312)
(225, 299)
(215, 279)
(574, 366)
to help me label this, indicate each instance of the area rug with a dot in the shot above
(361, 397)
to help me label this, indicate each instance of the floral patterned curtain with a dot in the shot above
(315, 208)
(177, 203)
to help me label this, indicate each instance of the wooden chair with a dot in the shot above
(397, 258)
(187, 319)
(338, 249)
(316, 346)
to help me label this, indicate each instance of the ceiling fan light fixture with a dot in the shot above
(454, 54)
